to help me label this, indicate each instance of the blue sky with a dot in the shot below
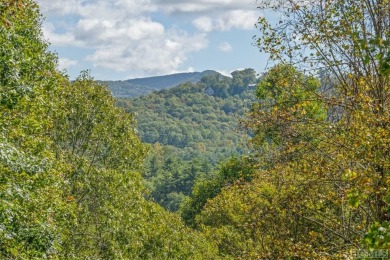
(122, 39)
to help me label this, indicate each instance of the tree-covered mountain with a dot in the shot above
(141, 86)
(191, 128)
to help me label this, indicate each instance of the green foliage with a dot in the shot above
(321, 186)
(232, 172)
(378, 236)
(197, 129)
(170, 178)
(25, 62)
(186, 116)
(247, 222)
(315, 185)
(289, 206)
(99, 144)
(69, 162)
(285, 120)
(33, 213)
(92, 131)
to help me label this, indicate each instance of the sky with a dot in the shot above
(123, 39)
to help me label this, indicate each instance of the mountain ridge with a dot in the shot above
(141, 86)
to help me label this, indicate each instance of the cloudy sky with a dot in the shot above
(121, 39)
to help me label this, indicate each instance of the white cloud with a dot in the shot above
(236, 19)
(65, 63)
(191, 6)
(64, 39)
(121, 34)
(225, 47)
(86, 8)
(137, 45)
(204, 24)
(98, 33)
(161, 54)
(58, 7)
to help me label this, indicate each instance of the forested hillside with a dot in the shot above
(313, 182)
(192, 127)
(142, 86)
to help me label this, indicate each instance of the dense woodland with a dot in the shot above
(301, 170)
(191, 128)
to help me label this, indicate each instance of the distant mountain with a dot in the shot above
(194, 114)
(167, 81)
(190, 129)
(142, 86)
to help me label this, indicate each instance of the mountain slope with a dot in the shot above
(192, 127)
(142, 86)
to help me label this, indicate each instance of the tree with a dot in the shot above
(287, 118)
(98, 143)
(260, 219)
(234, 170)
(347, 42)
(241, 80)
(34, 214)
(27, 66)
(286, 208)
(317, 186)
